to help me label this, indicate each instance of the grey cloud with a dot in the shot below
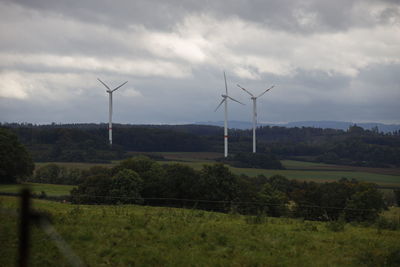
(329, 60)
(278, 14)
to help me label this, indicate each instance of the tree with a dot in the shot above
(272, 201)
(365, 204)
(150, 171)
(218, 183)
(126, 187)
(123, 187)
(48, 173)
(15, 162)
(181, 182)
(93, 190)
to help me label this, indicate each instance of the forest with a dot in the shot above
(88, 142)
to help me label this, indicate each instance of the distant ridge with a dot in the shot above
(341, 125)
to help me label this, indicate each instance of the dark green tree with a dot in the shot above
(93, 190)
(48, 173)
(365, 204)
(126, 187)
(181, 182)
(15, 162)
(150, 171)
(272, 201)
(217, 182)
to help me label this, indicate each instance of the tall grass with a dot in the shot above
(129, 235)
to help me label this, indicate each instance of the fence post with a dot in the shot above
(24, 228)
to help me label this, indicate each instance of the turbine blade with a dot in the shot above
(235, 100)
(226, 86)
(104, 84)
(220, 104)
(245, 90)
(266, 91)
(119, 86)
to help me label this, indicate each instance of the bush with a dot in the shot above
(365, 204)
(149, 170)
(54, 174)
(273, 202)
(124, 187)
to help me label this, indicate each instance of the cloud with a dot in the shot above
(130, 92)
(325, 58)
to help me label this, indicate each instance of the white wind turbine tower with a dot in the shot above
(254, 98)
(109, 91)
(225, 100)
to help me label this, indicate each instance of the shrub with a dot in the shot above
(54, 174)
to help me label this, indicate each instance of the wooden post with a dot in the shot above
(24, 228)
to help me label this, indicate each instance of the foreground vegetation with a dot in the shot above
(129, 235)
(140, 180)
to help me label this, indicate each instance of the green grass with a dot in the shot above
(149, 236)
(300, 170)
(49, 189)
(299, 165)
(78, 165)
(321, 176)
(308, 175)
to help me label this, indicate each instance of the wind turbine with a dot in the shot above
(254, 98)
(225, 100)
(109, 91)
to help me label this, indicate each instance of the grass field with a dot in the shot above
(308, 175)
(300, 170)
(131, 235)
(49, 189)
(79, 165)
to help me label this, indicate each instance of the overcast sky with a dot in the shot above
(329, 60)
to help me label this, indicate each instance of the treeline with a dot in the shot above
(88, 142)
(141, 180)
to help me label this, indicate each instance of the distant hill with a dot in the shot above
(340, 125)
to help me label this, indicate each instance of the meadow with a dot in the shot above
(300, 170)
(129, 235)
(36, 188)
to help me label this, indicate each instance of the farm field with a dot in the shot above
(310, 175)
(36, 188)
(129, 235)
(300, 170)
(79, 165)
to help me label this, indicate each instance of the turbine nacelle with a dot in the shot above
(108, 88)
(254, 98)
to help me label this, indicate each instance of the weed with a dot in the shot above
(335, 226)
(260, 218)
(309, 226)
(380, 257)
(383, 223)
